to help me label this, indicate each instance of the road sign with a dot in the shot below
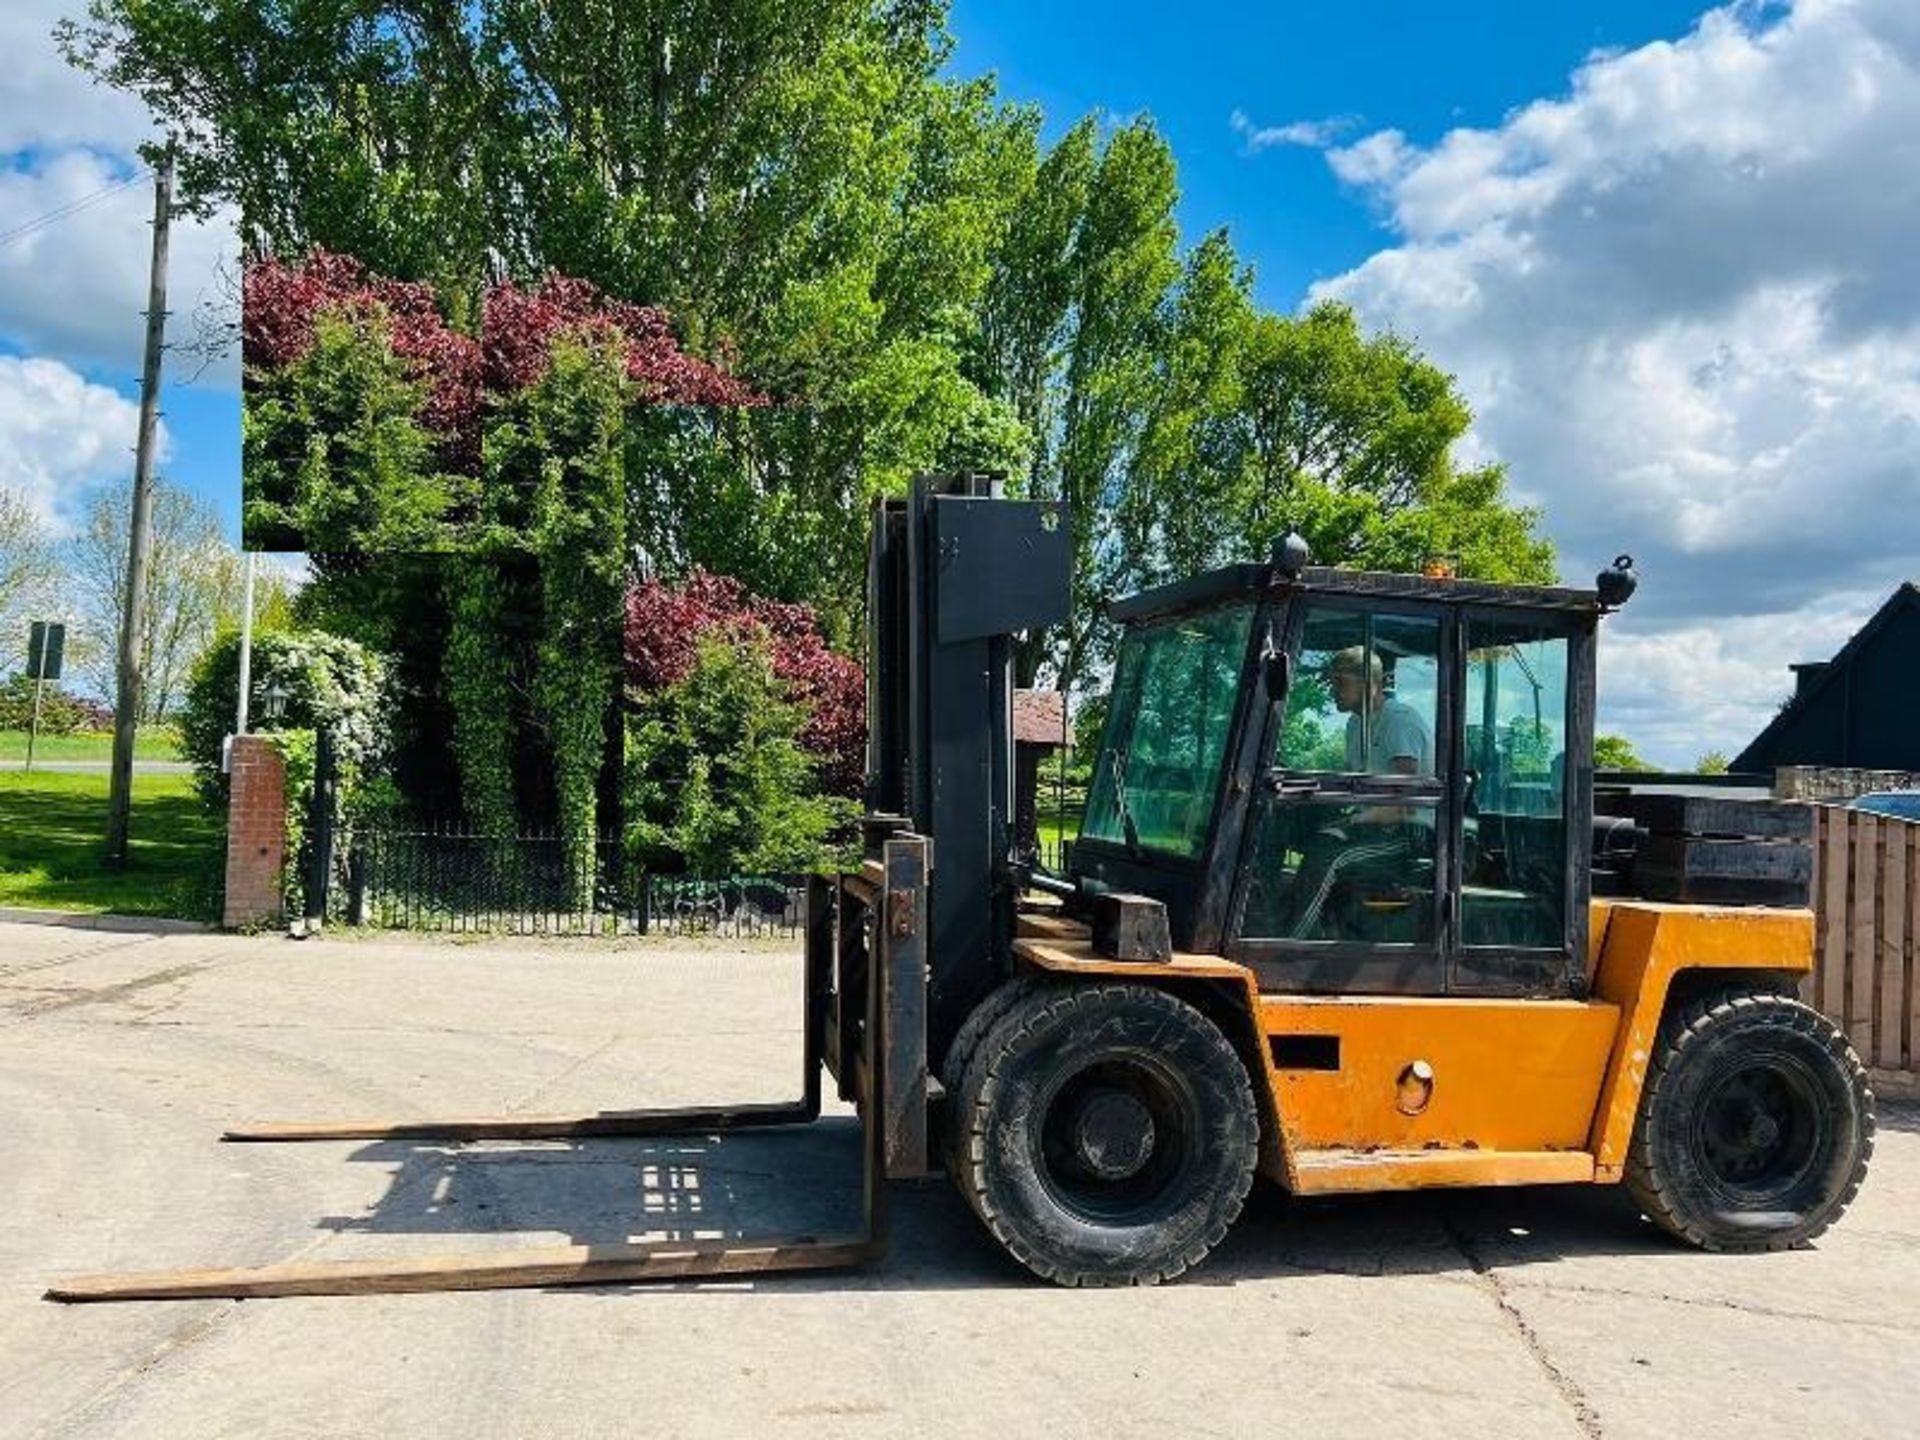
(46, 647)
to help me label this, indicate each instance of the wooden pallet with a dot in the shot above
(1710, 849)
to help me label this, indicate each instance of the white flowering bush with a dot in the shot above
(331, 683)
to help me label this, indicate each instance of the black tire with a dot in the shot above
(1109, 1134)
(1755, 1125)
(953, 1069)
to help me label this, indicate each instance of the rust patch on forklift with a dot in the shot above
(900, 917)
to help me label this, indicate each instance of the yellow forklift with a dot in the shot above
(1331, 919)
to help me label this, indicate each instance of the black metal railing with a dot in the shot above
(546, 884)
(458, 881)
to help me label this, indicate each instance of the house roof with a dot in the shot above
(1752, 758)
(1040, 718)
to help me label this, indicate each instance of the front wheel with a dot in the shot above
(1106, 1134)
(1755, 1125)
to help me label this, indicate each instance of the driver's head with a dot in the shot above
(1356, 675)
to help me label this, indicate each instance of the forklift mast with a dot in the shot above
(954, 571)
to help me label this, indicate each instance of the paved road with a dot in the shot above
(1527, 1313)
(100, 767)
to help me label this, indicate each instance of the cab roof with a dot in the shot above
(1249, 582)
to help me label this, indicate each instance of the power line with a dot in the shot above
(40, 222)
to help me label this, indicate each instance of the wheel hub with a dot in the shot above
(1758, 1128)
(1762, 1131)
(1113, 1135)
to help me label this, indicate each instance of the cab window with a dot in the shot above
(1176, 687)
(1514, 849)
(1336, 860)
(1365, 697)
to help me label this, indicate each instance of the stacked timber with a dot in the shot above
(1718, 850)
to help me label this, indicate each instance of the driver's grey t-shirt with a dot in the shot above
(1392, 732)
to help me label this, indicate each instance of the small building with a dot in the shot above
(1040, 727)
(1861, 709)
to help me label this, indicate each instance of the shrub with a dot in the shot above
(330, 682)
(666, 624)
(283, 307)
(1616, 752)
(298, 750)
(717, 780)
(286, 309)
(336, 455)
(61, 712)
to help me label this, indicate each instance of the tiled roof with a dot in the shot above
(1040, 718)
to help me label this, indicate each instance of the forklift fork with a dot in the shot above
(866, 981)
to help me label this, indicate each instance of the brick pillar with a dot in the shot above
(256, 835)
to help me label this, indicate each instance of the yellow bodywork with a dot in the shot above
(1640, 946)
(1464, 1091)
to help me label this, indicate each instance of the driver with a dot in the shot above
(1385, 736)
(1378, 843)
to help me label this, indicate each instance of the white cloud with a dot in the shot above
(78, 286)
(61, 435)
(1313, 134)
(1680, 690)
(1683, 303)
(1375, 159)
(46, 102)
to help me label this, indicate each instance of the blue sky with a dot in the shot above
(1423, 68)
(1665, 249)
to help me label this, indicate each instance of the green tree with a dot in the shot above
(819, 205)
(1187, 428)
(335, 456)
(482, 681)
(1305, 423)
(1026, 315)
(554, 453)
(27, 554)
(1616, 752)
(1123, 260)
(194, 584)
(717, 781)
(1714, 762)
(1182, 476)
(796, 184)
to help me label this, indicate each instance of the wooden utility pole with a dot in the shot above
(133, 620)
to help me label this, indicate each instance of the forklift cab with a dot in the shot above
(1355, 783)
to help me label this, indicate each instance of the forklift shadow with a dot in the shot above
(1431, 1232)
(750, 1186)
(1901, 1115)
(805, 1183)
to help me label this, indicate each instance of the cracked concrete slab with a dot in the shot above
(1500, 1313)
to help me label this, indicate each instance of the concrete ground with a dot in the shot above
(1527, 1313)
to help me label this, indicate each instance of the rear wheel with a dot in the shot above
(1755, 1125)
(1107, 1134)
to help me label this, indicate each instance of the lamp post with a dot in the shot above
(273, 700)
(246, 649)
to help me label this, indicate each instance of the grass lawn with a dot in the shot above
(50, 842)
(158, 742)
(1053, 829)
